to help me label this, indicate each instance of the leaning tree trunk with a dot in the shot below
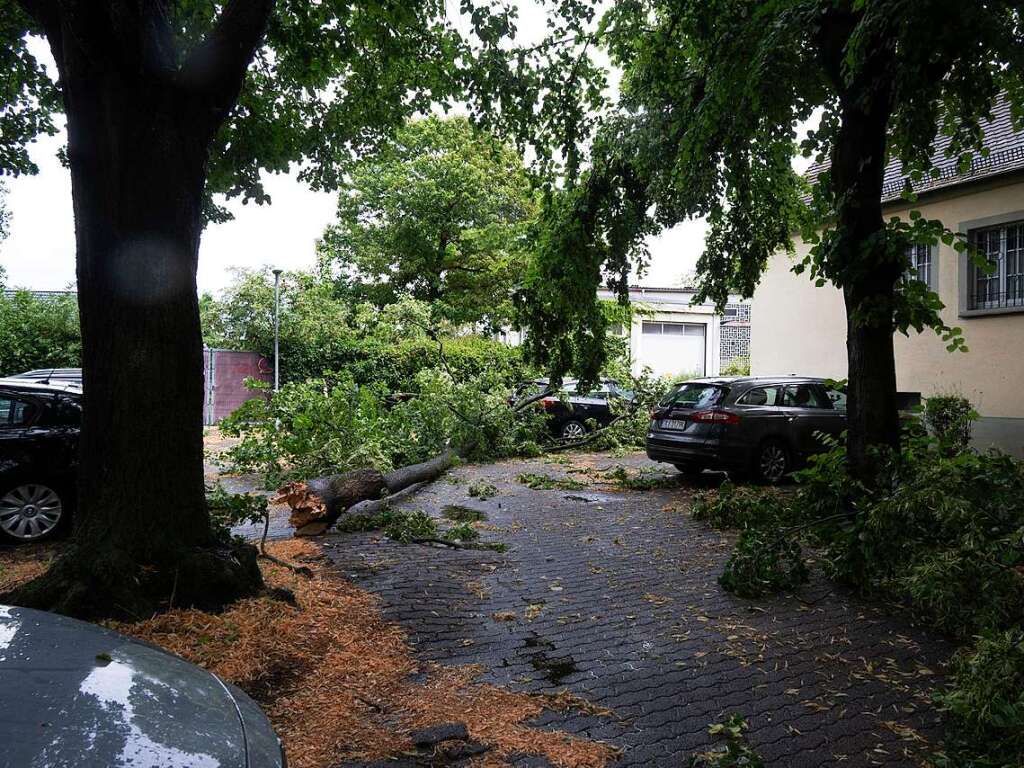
(867, 269)
(138, 137)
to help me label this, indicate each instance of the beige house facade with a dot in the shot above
(799, 328)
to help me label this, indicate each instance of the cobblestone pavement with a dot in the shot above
(613, 595)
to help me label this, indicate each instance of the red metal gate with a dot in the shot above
(225, 372)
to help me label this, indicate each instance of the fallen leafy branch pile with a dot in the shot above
(942, 533)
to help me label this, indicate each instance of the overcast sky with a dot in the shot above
(40, 252)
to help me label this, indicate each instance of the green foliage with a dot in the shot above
(331, 80)
(318, 426)
(985, 703)
(544, 482)
(946, 537)
(461, 532)
(764, 561)
(460, 514)
(641, 480)
(440, 213)
(733, 507)
(38, 332)
(633, 416)
(230, 509)
(733, 752)
(324, 329)
(738, 366)
(481, 489)
(363, 522)
(405, 527)
(949, 419)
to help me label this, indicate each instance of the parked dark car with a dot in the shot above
(75, 694)
(762, 427)
(571, 413)
(39, 428)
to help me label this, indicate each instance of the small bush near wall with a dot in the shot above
(949, 419)
(738, 366)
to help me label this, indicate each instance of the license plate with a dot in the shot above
(674, 424)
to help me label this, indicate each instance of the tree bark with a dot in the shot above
(316, 504)
(861, 262)
(138, 137)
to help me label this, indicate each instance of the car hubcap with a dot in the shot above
(30, 511)
(573, 431)
(773, 463)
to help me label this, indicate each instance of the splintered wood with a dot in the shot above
(337, 680)
(306, 506)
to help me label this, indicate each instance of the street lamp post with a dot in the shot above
(277, 329)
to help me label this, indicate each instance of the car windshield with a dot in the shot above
(694, 395)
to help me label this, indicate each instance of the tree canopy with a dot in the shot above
(712, 97)
(439, 212)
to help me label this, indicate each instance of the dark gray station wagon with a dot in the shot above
(762, 427)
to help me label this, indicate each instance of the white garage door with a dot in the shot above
(671, 349)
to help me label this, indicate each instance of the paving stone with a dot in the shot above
(629, 615)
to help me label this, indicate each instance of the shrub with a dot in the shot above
(949, 419)
(985, 702)
(762, 562)
(38, 332)
(738, 366)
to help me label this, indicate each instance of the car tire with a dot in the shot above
(772, 462)
(31, 512)
(573, 430)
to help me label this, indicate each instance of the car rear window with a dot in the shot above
(694, 395)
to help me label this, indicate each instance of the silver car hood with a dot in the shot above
(75, 694)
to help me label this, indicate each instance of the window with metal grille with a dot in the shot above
(1002, 285)
(920, 264)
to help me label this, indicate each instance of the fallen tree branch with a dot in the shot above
(442, 542)
(373, 506)
(591, 437)
(318, 503)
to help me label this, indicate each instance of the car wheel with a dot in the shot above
(772, 462)
(573, 430)
(31, 512)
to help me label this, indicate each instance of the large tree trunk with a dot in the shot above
(137, 145)
(861, 262)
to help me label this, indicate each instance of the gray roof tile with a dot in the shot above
(1006, 154)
